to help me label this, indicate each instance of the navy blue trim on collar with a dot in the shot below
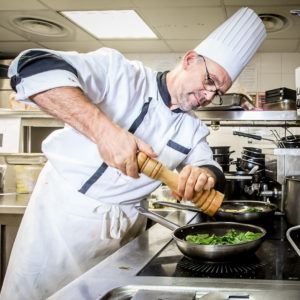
(163, 89)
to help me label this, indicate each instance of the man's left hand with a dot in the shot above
(194, 179)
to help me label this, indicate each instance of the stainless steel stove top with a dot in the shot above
(125, 274)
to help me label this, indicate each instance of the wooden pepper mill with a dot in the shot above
(207, 201)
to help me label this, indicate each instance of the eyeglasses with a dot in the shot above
(210, 86)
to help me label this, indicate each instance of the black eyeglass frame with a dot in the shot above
(208, 78)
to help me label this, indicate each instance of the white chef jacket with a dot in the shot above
(127, 93)
(81, 210)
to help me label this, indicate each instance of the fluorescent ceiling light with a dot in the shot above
(111, 24)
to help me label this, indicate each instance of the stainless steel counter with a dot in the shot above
(115, 277)
(13, 203)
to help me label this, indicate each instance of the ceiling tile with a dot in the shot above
(73, 32)
(182, 45)
(175, 3)
(72, 46)
(131, 46)
(184, 23)
(12, 49)
(20, 5)
(260, 2)
(88, 4)
(7, 35)
(279, 45)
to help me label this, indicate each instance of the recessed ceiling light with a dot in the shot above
(111, 24)
(39, 26)
(274, 22)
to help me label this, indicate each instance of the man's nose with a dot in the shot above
(209, 95)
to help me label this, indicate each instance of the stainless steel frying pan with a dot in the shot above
(209, 252)
(234, 210)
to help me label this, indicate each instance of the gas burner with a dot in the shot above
(237, 268)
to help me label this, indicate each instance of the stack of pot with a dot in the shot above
(221, 155)
(252, 158)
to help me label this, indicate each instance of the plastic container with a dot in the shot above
(26, 177)
(288, 163)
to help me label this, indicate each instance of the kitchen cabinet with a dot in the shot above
(35, 126)
(12, 208)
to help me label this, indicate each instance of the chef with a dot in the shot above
(82, 208)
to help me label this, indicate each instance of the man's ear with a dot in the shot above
(188, 59)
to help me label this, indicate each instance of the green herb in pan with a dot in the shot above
(231, 237)
(254, 209)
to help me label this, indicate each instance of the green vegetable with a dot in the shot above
(231, 237)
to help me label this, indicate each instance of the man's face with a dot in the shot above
(191, 90)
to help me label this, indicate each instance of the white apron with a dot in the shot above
(62, 235)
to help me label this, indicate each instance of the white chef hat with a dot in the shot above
(234, 43)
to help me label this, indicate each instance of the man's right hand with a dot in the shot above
(118, 148)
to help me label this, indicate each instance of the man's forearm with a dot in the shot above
(70, 105)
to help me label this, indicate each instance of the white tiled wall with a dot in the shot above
(264, 72)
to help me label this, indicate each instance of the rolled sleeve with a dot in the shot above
(36, 71)
(41, 82)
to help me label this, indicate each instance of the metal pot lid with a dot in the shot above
(252, 149)
(293, 177)
(220, 147)
(252, 162)
(238, 177)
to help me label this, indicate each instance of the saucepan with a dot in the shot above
(220, 150)
(209, 252)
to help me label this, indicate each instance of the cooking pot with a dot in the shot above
(249, 164)
(225, 167)
(220, 149)
(223, 159)
(292, 199)
(209, 252)
(236, 182)
(291, 141)
(252, 149)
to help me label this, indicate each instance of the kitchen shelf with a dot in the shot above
(250, 117)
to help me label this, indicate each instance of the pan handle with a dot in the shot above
(252, 136)
(179, 206)
(156, 218)
(288, 235)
